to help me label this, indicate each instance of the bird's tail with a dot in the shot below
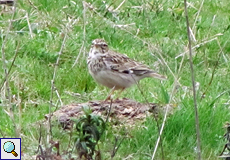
(158, 76)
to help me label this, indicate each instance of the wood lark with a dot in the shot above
(115, 70)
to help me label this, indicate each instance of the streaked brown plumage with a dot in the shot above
(115, 70)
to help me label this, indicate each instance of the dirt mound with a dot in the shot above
(119, 111)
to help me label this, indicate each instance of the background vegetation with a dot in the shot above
(153, 32)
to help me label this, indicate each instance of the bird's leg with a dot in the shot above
(119, 93)
(110, 94)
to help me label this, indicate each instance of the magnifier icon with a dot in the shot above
(9, 147)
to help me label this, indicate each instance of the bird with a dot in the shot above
(115, 70)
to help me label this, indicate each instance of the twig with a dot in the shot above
(192, 35)
(49, 129)
(32, 4)
(213, 72)
(164, 62)
(39, 139)
(83, 43)
(6, 80)
(15, 56)
(193, 84)
(59, 97)
(110, 107)
(119, 6)
(157, 122)
(197, 15)
(79, 54)
(166, 112)
(198, 45)
(160, 133)
(218, 96)
(221, 50)
(2, 134)
(19, 108)
(29, 26)
(116, 147)
(14, 20)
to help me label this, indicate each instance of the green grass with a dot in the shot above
(156, 30)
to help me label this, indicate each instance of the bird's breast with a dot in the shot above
(96, 65)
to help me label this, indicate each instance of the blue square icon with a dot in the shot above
(10, 148)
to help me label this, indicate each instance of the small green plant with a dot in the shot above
(89, 131)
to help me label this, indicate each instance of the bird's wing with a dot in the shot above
(123, 64)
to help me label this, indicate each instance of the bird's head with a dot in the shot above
(100, 45)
